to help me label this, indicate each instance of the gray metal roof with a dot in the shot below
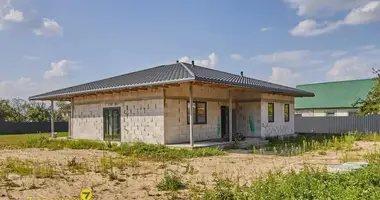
(165, 74)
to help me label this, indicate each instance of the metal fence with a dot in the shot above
(31, 127)
(335, 124)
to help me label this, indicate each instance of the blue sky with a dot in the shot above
(50, 44)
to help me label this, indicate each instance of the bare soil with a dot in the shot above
(140, 182)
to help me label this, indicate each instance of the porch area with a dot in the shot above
(248, 142)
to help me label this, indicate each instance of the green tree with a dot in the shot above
(19, 109)
(6, 111)
(371, 105)
(38, 112)
(62, 112)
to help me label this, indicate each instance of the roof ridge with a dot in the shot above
(188, 70)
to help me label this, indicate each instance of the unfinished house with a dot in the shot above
(178, 103)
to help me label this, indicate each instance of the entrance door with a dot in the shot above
(111, 118)
(224, 122)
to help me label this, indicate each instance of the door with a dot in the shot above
(224, 121)
(112, 121)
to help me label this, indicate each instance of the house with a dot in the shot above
(152, 106)
(333, 98)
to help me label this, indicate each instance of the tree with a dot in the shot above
(19, 109)
(63, 111)
(38, 112)
(6, 111)
(371, 105)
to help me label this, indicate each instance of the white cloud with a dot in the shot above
(319, 8)
(350, 68)
(284, 76)
(211, 62)
(284, 56)
(236, 57)
(365, 14)
(14, 16)
(266, 29)
(366, 47)
(312, 28)
(8, 14)
(60, 69)
(49, 27)
(16, 88)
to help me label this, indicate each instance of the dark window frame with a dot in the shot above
(287, 108)
(196, 121)
(271, 120)
(104, 122)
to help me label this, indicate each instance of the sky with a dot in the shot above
(51, 44)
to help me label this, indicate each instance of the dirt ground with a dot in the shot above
(140, 182)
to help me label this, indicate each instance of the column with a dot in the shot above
(230, 116)
(191, 114)
(52, 119)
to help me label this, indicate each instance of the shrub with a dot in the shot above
(171, 181)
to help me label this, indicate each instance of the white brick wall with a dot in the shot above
(141, 120)
(245, 113)
(279, 127)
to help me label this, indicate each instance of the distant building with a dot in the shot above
(332, 98)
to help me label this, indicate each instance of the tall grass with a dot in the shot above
(306, 184)
(292, 146)
(138, 150)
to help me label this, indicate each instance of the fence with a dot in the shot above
(31, 127)
(332, 124)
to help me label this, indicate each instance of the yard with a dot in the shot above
(37, 167)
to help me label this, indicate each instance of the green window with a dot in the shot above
(270, 112)
(112, 121)
(286, 112)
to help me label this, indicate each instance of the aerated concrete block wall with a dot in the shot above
(279, 127)
(142, 116)
(176, 128)
(249, 119)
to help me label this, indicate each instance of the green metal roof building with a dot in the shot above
(332, 98)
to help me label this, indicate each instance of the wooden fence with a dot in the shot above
(335, 124)
(31, 127)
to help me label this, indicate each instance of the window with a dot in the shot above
(199, 112)
(330, 113)
(286, 113)
(352, 113)
(270, 112)
(112, 121)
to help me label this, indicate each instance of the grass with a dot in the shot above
(27, 168)
(136, 150)
(171, 182)
(306, 184)
(14, 139)
(292, 146)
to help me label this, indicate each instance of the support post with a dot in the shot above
(71, 118)
(52, 119)
(230, 116)
(191, 122)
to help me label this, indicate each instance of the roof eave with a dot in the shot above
(43, 97)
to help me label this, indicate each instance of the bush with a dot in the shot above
(171, 181)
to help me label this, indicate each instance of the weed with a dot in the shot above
(74, 166)
(322, 153)
(171, 181)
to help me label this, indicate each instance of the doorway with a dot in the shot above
(224, 122)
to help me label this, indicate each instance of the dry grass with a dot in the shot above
(112, 176)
